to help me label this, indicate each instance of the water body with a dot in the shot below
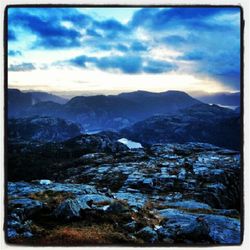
(130, 144)
(91, 132)
(225, 106)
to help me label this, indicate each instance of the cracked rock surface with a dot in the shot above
(161, 194)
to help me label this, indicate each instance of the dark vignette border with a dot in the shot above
(242, 25)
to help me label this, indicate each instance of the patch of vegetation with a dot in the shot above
(51, 198)
(93, 235)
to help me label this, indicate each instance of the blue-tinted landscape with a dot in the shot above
(124, 126)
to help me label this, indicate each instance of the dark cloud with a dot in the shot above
(128, 64)
(11, 35)
(159, 19)
(81, 61)
(122, 47)
(157, 67)
(142, 17)
(174, 40)
(202, 35)
(111, 25)
(231, 78)
(93, 33)
(21, 67)
(193, 56)
(14, 53)
(138, 46)
(48, 28)
(113, 44)
(223, 66)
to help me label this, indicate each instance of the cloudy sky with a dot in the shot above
(112, 50)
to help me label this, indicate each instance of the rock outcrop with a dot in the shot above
(199, 123)
(164, 194)
(42, 129)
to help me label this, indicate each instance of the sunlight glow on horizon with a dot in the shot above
(96, 81)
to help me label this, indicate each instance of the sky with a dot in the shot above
(114, 50)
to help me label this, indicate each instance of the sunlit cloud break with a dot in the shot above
(156, 49)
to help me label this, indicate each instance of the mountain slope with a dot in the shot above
(20, 102)
(226, 99)
(39, 96)
(160, 103)
(199, 123)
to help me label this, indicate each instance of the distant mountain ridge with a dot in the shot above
(108, 112)
(19, 102)
(40, 96)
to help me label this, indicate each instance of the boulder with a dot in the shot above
(181, 226)
(94, 200)
(131, 226)
(28, 206)
(21, 189)
(147, 234)
(134, 200)
(70, 209)
(224, 230)
(189, 204)
(117, 207)
(12, 233)
(17, 227)
(200, 227)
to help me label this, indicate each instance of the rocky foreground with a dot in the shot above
(164, 194)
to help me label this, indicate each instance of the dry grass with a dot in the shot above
(90, 235)
(73, 235)
(51, 198)
(77, 236)
(147, 216)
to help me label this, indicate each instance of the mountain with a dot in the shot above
(19, 102)
(111, 112)
(199, 123)
(114, 111)
(39, 96)
(49, 108)
(225, 99)
(237, 110)
(160, 103)
(41, 129)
